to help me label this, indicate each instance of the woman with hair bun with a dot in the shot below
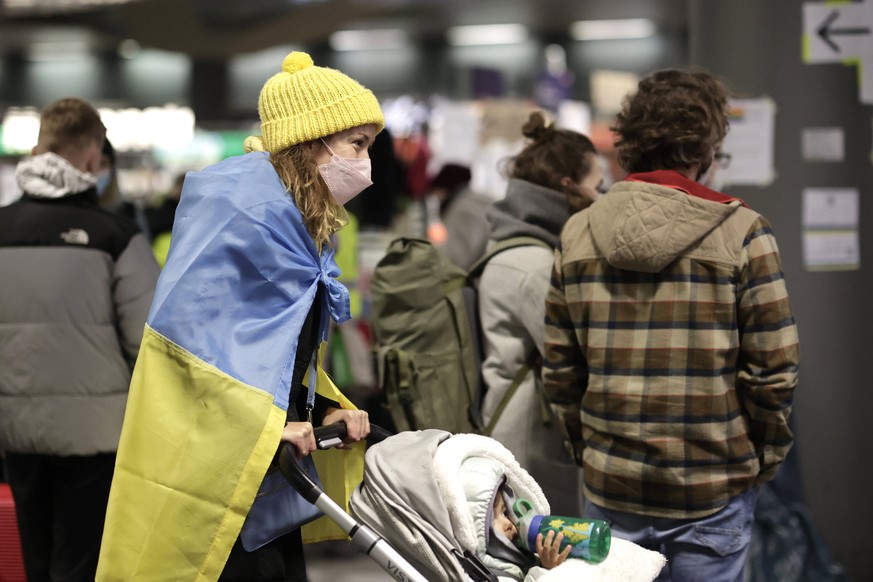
(554, 176)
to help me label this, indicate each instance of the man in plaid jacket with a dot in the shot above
(670, 346)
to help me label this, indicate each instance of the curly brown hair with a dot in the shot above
(674, 120)
(299, 173)
(552, 154)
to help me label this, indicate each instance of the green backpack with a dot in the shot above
(425, 322)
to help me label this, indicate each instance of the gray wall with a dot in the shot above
(757, 46)
(152, 78)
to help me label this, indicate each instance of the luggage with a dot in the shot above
(11, 562)
(425, 323)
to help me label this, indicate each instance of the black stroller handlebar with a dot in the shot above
(326, 437)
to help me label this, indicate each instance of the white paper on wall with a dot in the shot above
(831, 250)
(830, 229)
(824, 144)
(750, 142)
(828, 208)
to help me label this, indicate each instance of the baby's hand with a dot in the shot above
(549, 550)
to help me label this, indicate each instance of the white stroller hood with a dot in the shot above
(411, 496)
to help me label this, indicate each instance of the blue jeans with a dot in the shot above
(712, 548)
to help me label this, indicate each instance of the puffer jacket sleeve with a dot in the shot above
(768, 361)
(565, 369)
(134, 280)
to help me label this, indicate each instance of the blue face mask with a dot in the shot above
(103, 179)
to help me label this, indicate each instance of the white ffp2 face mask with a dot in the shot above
(345, 177)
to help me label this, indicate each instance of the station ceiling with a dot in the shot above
(217, 29)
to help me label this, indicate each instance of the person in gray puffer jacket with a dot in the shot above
(77, 285)
(554, 176)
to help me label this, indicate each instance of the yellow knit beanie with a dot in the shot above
(305, 102)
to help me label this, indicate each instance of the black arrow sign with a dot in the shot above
(826, 32)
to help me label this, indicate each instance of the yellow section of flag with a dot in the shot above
(195, 446)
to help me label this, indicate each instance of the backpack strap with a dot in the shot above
(516, 382)
(504, 245)
(473, 274)
(396, 378)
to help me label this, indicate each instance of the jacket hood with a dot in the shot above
(644, 227)
(529, 210)
(49, 175)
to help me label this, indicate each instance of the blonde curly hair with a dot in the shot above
(299, 173)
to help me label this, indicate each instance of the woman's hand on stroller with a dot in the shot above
(549, 550)
(357, 424)
(301, 436)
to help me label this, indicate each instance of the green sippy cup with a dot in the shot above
(589, 538)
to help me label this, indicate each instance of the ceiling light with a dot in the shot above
(361, 40)
(128, 49)
(61, 50)
(20, 129)
(612, 29)
(49, 6)
(487, 34)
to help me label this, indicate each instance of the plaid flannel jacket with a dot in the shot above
(671, 349)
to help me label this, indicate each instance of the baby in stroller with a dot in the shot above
(432, 496)
(489, 498)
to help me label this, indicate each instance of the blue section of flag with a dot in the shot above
(242, 273)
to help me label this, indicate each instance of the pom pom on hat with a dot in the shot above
(305, 102)
(296, 61)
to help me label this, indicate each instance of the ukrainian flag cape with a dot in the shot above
(210, 389)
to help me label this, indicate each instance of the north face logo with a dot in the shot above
(75, 236)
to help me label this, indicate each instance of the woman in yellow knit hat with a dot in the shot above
(229, 364)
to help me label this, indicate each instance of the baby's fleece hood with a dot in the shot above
(643, 227)
(482, 480)
(469, 469)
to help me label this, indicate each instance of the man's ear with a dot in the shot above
(92, 162)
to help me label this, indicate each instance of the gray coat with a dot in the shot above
(467, 228)
(512, 294)
(76, 288)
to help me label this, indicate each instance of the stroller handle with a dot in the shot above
(361, 535)
(326, 437)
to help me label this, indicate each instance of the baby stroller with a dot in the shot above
(413, 495)
(412, 517)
